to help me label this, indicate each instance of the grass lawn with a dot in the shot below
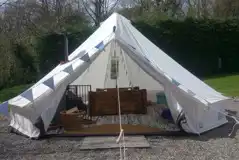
(228, 85)
(8, 93)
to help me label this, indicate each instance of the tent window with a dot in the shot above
(114, 67)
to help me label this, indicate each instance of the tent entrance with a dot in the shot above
(97, 89)
(139, 116)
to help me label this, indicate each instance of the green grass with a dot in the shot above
(8, 93)
(228, 85)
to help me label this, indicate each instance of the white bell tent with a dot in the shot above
(141, 63)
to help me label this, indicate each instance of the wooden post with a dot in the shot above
(66, 52)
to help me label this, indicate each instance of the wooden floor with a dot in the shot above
(110, 142)
(113, 130)
(145, 124)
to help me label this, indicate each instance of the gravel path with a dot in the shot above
(214, 145)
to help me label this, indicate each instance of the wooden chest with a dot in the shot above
(104, 101)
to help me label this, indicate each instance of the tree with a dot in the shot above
(23, 23)
(99, 10)
(3, 3)
(171, 8)
(226, 9)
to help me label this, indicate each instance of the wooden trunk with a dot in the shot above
(104, 101)
(70, 120)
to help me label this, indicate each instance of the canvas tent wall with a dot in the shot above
(130, 73)
(185, 92)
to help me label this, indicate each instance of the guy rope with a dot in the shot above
(114, 75)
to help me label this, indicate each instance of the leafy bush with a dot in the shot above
(197, 44)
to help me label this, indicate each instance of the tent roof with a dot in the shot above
(128, 35)
(165, 64)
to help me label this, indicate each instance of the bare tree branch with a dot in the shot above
(114, 5)
(88, 10)
(98, 10)
(4, 3)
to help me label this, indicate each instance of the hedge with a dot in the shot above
(196, 44)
